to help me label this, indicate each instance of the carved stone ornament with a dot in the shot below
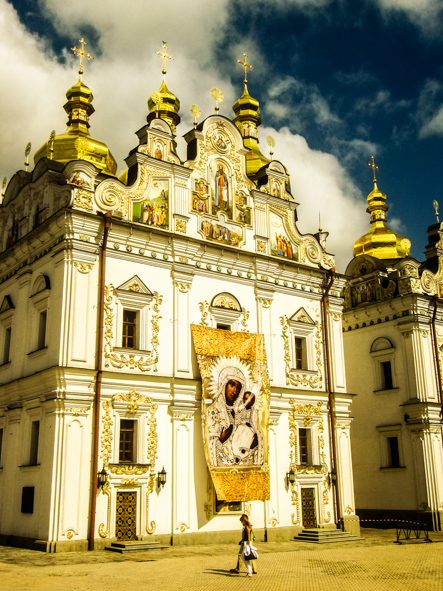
(83, 267)
(261, 246)
(83, 199)
(181, 226)
(203, 307)
(122, 469)
(133, 361)
(226, 301)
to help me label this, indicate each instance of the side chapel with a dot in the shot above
(393, 337)
(171, 346)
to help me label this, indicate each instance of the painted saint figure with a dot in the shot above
(221, 189)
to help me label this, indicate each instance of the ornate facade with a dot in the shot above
(101, 279)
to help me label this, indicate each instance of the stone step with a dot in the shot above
(325, 536)
(134, 546)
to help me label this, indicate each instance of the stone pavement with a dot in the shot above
(372, 564)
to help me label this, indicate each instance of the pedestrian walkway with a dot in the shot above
(374, 564)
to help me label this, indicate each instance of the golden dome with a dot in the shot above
(247, 119)
(164, 104)
(381, 242)
(76, 143)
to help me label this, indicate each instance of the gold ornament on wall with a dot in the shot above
(141, 362)
(297, 377)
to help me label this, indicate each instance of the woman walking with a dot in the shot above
(246, 542)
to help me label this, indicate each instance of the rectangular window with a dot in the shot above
(129, 340)
(33, 448)
(386, 375)
(28, 499)
(393, 453)
(304, 446)
(7, 345)
(227, 506)
(223, 326)
(300, 353)
(42, 330)
(127, 447)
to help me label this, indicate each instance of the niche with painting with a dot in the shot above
(154, 209)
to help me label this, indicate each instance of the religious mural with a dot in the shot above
(364, 292)
(235, 411)
(81, 179)
(243, 211)
(154, 209)
(221, 232)
(280, 242)
(220, 141)
(221, 189)
(200, 197)
(158, 151)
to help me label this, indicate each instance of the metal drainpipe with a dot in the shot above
(98, 384)
(331, 397)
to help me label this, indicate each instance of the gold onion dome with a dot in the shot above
(165, 105)
(76, 143)
(381, 242)
(247, 119)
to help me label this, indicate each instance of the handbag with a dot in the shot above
(250, 553)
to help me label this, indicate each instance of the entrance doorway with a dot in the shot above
(125, 518)
(308, 512)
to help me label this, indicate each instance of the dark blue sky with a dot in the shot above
(352, 77)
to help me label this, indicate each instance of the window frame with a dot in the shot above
(385, 433)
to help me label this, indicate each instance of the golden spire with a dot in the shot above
(165, 57)
(163, 103)
(81, 54)
(247, 119)
(245, 64)
(380, 242)
(76, 143)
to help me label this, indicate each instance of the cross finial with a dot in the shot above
(82, 54)
(374, 167)
(165, 57)
(245, 64)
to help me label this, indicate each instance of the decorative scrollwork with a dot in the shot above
(83, 267)
(83, 199)
(152, 456)
(244, 320)
(203, 307)
(428, 282)
(181, 226)
(295, 377)
(261, 246)
(102, 532)
(143, 363)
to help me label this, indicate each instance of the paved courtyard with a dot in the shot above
(372, 564)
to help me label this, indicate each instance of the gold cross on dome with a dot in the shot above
(245, 64)
(374, 167)
(81, 53)
(165, 57)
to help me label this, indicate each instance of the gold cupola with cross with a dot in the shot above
(380, 242)
(163, 103)
(76, 143)
(247, 119)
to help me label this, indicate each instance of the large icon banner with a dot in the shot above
(235, 411)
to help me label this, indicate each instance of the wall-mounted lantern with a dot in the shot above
(102, 478)
(161, 478)
(290, 477)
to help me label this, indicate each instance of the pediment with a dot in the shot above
(6, 304)
(301, 316)
(135, 285)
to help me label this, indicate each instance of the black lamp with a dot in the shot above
(161, 478)
(102, 478)
(290, 477)
(332, 478)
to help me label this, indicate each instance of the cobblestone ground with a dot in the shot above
(373, 564)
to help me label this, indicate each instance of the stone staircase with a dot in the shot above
(135, 546)
(325, 536)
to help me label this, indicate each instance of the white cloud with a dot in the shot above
(380, 101)
(424, 14)
(430, 110)
(319, 183)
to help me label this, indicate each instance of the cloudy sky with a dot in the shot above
(337, 81)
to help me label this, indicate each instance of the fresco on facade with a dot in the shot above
(280, 243)
(154, 210)
(220, 232)
(364, 292)
(81, 179)
(220, 141)
(200, 197)
(243, 212)
(221, 189)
